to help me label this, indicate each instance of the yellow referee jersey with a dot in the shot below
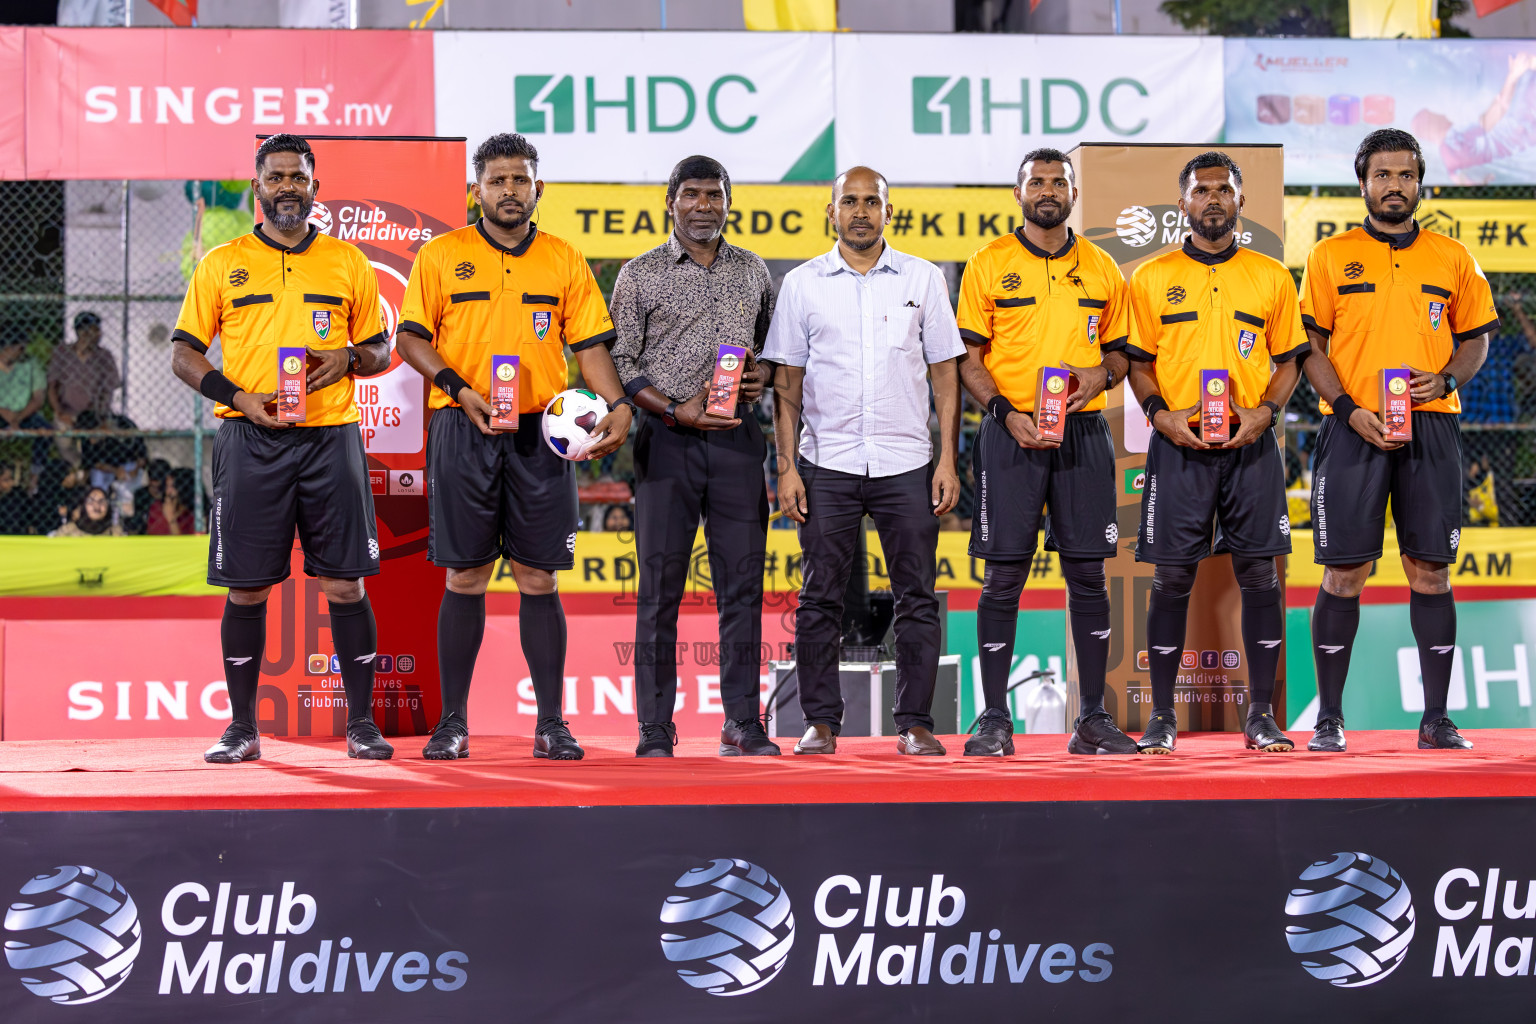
(1192, 311)
(1031, 308)
(474, 298)
(1385, 300)
(257, 295)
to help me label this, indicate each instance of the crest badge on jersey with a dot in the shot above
(1093, 328)
(541, 322)
(1245, 342)
(321, 320)
(1435, 309)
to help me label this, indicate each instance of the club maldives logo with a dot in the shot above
(1351, 920)
(1136, 226)
(73, 935)
(729, 927)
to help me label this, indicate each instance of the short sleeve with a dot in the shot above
(367, 324)
(1317, 293)
(587, 322)
(423, 303)
(1115, 328)
(941, 336)
(787, 343)
(1142, 341)
(974, 318)
(1284, 334)
(1472, 312)
(198, 322)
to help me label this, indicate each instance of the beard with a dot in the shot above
(858, 246)
(1054, 218)
(509, 221)
(1211, 230)
(1393, 217)
(285, 222)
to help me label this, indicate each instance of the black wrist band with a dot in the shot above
(1000, 408)
(1274, 411)
(1344, 407)
(1451, 383)
(353, 359)
(1109, 379)
(449, 381)
(219, 388)
(1154, 405)
(625, 400)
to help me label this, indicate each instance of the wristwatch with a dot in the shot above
(353, 359)
(1451, 383)
(1109, 379)
(669, 414)
(626, 400)
(1274, 411)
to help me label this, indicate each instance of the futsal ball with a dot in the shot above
(568, 423)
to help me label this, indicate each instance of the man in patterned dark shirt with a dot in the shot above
(672, 309)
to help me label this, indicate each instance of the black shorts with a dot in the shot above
(506, 496)
(267, 482)
(1352, 480)
(1071, 490)
(1194, 496)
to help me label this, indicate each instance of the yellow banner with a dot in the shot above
(1501, 233)
(605, 563)
(778, 222)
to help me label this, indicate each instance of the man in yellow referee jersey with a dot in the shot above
(1214, 305)
(1387, 295)
(285, 285)
(501, 287)
(1043, 297)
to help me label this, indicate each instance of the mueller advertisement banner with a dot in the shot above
(1471, 102)
(13, 79)
(173, 103)
(1129, 206)
(1334, 910)
(964, 109)
(626, 106)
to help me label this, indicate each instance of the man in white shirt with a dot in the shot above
(858, 334)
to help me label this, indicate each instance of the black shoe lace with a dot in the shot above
(754, 727)
(1330, 721)
(451, 722)
(1094, 716)
(556, 729)
(654, 733)
(994, 720)
(1439, 723)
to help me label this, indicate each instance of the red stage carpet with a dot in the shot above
(169, 774)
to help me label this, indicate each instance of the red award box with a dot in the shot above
(504, 381)
(1215, 407)
(730, 364)
(1051, 393)
(292, 376)
(1397, 404)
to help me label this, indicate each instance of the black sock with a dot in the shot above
(243, 634)
(1090, 639)
(460, 628)
(541, 624)
(1335, 621)
(357, 644)
(1263, 629)
(1166, 618)
(996, 625)
(1433, 618)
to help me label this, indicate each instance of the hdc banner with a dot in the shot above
(389, 196)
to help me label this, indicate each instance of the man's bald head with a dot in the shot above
(861, 179)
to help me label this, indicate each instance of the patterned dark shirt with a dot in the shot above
(670, 314)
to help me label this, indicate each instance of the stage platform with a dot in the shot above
(167, 774)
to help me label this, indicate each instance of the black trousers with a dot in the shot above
(682, 475)
(902, 509)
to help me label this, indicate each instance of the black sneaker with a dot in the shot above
(1098, 734)
(1161, 736)
(1442, 734)
(993, 736)
(450, 740)
(240, 742)
(1328, 735)
(366, 742)
(747, 737)
(656, 739)
(554, 741)
(1262, 732)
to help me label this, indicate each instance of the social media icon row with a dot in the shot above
(383, 664)
(1209, 660)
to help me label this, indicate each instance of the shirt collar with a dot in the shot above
(1039, 253)
(274, 243)
(1401, 241)
(1210, 259)
(836, 264)
(518, 250)
(678, 253)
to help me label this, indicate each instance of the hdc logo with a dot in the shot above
(546, 104)
(942, 105)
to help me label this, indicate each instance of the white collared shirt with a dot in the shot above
(866, 342)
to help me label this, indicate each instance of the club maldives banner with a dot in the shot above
(1471, 102)
(1336, 910)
